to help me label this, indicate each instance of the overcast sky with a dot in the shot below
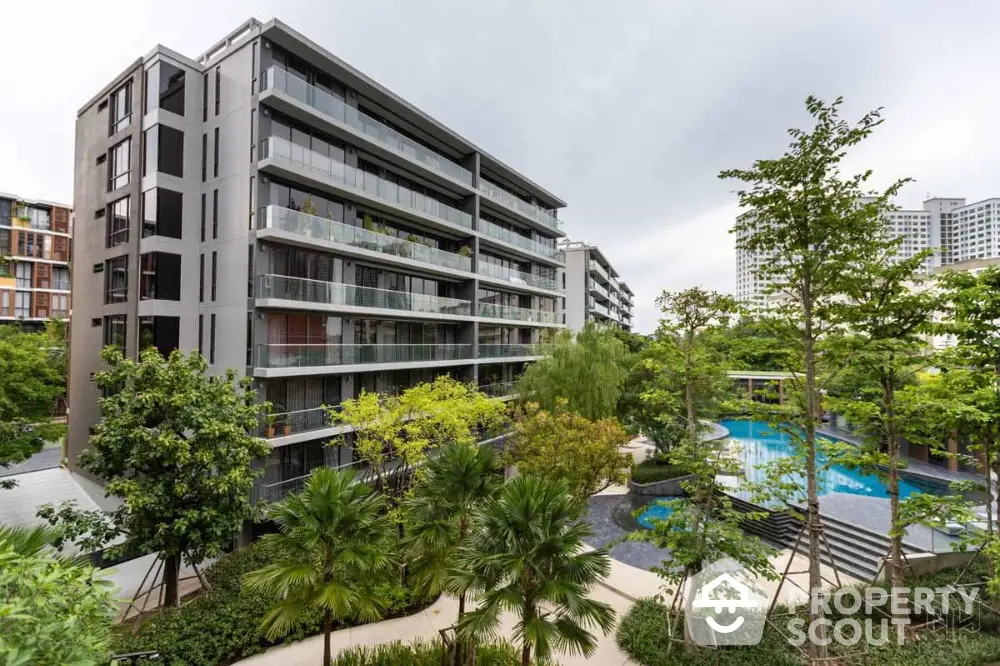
(627, 110)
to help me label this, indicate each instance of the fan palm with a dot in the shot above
(455, 482)
(332, 549)
(525, 555)
(28, 541)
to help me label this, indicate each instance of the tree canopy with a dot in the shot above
(175, 446)
(587, 370)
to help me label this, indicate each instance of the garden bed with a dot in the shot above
(223, 624)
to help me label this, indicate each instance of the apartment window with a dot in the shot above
(119, 164)
(215, 149)
(163, 333)
(4, 242)
(201, 319)
(215, 272)
(251, 206)
(249, 338)
(117, 223)
(22, 304)
(204, 157)
(250, 270)
(165, 88)
(160, 276)
(120, 109)
(215, 214)
(201, 279)
(161, 213)
(218, 91)
(170, 144)
(116, 280)
(204, 99)
(211, 339)
(114, 331)
(60, 278)
(203, 213)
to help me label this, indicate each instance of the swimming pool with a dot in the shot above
(760, 444)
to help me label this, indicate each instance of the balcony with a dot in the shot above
(294, 423)
(310, 356)
(600, 309)
(313, 226)
(339, 113)
(517, 278)
(518, 205)
(359, 182)
(338, 293)
(498, 390)
(599, 271)
(497, 232)
(509, 312)
(508, 351)
(597, 288)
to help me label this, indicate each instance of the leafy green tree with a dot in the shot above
(587, 370)
(526, 555)
(52, 610)
(175, 445)
(403, 427)
(332, 549)
(814, 225)
(564, 445)
(747, 343)
(455, 483)
(33, 367)
(890, 317)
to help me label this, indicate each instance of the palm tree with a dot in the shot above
(454, 483)
(525, 554)
(28, 541)
(333, 547)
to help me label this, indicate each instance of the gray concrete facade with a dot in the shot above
(594, 289)
(357, 242)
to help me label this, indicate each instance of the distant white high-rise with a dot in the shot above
(955, 232)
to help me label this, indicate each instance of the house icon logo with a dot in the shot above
(725, 606)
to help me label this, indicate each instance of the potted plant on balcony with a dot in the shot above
(465, 251)
(307, 206)
(269, 420)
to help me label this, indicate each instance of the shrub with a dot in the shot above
(423, 654)
(222, 625)
(654, 470)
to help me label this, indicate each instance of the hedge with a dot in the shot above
(650, 470)
(222, 625)
(643, 635)
(423, 654)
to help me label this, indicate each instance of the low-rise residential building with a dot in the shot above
(594, 290)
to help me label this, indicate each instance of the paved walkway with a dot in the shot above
(620, 590)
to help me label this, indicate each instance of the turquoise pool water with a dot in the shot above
(760, 443)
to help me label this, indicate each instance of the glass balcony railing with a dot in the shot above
(305, 356)
(278, 79)
(516, 239)
(498, 389)
(494, 311)
(313, 226)
(293, 423)
(529, 210)
(599, 270)
(507, 351)
(516, 277)
(282, 150)
(338, 293)
(598, 288)
(600, 309)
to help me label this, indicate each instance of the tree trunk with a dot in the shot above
(692, 424)
(327, 630)
(526, 653)
(892, 449)
(171, 576)
(812, 496)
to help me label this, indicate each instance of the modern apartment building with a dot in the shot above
(955, 232)
(276, 209)
(36, 239)
(594, 291)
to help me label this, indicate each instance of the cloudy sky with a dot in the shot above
(627, 110)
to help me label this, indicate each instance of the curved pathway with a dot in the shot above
(620, 589)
